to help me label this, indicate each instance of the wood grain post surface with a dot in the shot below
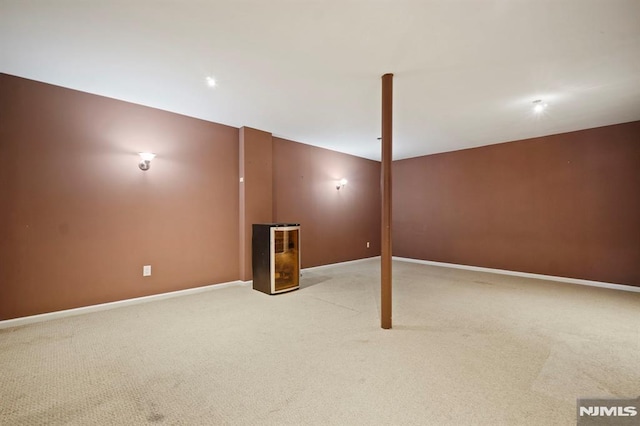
(387, 127)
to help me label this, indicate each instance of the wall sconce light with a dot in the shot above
(145, 160)
(341, 184)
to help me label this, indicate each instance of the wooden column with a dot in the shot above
(385, 178)
(256, 189)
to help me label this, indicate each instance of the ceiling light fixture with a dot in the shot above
(211, 82)
(145, 160)
(539, 106)
(341, 184)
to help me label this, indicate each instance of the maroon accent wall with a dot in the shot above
(256, 190)
(79, 219)
(335, 224)
(564, 205)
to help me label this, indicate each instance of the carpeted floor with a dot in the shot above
(466, 348)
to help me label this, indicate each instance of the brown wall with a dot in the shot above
(335, 224)
(78, 219)
(256, 190)
(565, 205)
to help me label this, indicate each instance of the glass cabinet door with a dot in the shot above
(286, 262)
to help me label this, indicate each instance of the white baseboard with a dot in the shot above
(315, 268)
(16, 322)
(329, 265)
(348, 262)
(524, 274)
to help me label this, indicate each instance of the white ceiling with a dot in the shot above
(466, 71)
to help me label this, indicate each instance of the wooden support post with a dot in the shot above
(385, 178)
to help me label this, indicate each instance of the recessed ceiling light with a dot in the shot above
(211, 82)
(539, 106)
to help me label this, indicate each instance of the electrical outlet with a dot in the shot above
(367, 244)
(146, 270)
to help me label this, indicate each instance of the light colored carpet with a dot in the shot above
(466, 348)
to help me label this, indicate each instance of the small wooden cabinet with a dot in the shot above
(276, 257)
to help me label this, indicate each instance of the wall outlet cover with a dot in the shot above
(146, 270)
